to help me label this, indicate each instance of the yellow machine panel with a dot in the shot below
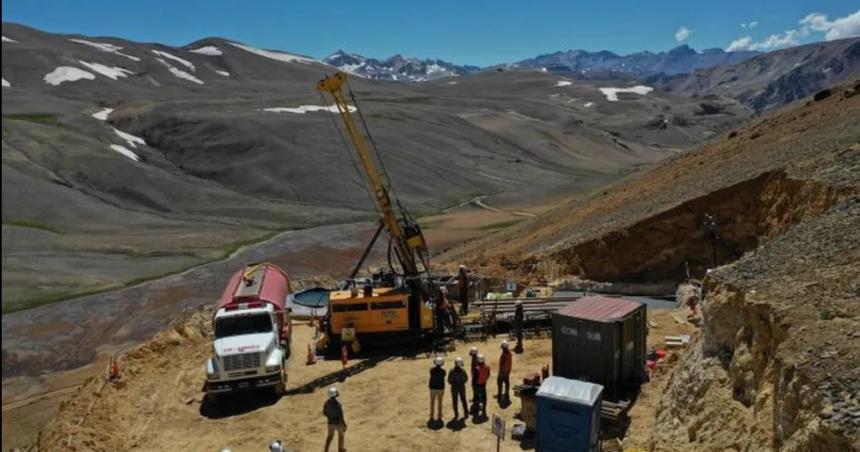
(385, 311)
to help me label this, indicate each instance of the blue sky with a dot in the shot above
(465, 32)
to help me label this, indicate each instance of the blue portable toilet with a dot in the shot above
(568, 416)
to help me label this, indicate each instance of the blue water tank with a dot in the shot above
(568, 416)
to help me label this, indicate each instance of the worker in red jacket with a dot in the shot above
(504, 378)
(483, 371)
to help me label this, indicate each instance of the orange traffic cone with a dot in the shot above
(312, 357)
(114, 369)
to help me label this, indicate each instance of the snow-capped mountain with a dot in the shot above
(397, 68)
(680, 60)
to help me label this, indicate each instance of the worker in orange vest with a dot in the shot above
(483, 371)
(504, 378)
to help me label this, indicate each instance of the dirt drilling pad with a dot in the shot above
(158, 404)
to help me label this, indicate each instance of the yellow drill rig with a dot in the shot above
(406, 305)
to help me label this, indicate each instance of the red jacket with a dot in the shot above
(483, 374)
(505, 363)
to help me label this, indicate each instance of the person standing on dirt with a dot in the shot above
(483, 376)
(437, 387)
(457, 378)
(519, 321)
(463, 276)
(473, 370)
(504, 378)
(336, 421)
(443, 318)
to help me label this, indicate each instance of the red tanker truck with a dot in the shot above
(252, 332)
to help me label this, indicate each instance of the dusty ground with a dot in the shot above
(32, 345)
(158, 406)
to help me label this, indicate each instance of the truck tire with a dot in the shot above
(212, 398)
(281, 388)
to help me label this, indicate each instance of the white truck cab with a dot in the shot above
(251, 344)
(247, 352)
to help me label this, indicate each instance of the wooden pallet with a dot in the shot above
(614, 411)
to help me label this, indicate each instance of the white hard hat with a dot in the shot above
(438, 361)
(462, 266)
(332, 392)
(473, 351)
(480, 358)
(518, 303)
(458, 361)
(505, 345)
(276, 446)
(226, 450)
(443, 289)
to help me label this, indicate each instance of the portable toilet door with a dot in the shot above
(568, 416)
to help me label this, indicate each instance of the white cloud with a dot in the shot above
(740, 44)
(682, 34)
(785, 39)
(841, 27)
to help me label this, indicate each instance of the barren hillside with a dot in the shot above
(776, 365)
(173, 156)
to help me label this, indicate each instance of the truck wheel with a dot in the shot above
(281, 388)
(212, 398)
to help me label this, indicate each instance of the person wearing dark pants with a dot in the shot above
(481, 395)
(503, 381)
(473, 368)
(457, 378)
(336, 421)
(463, 289)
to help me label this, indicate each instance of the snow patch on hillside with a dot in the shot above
(132, 140)
(279, 56)
(5, 39)
(563, 83)
(307, 108)
(208, 51)
(6, 84)
(105, 47)
(224, 73)
(102, 115)
(110, 72)
(67, 74)
(612, 93)
(125, 151)
(178, 73)
(589, 104)
(185, 63)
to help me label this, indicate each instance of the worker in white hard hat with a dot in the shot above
(503, 381)
(437, 388)
(473, 372)
(457, 378)
(483, 375)
(336, 421)
(276, 446)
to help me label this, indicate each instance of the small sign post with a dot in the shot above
(498, 430)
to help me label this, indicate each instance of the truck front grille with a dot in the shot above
(242, 361)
